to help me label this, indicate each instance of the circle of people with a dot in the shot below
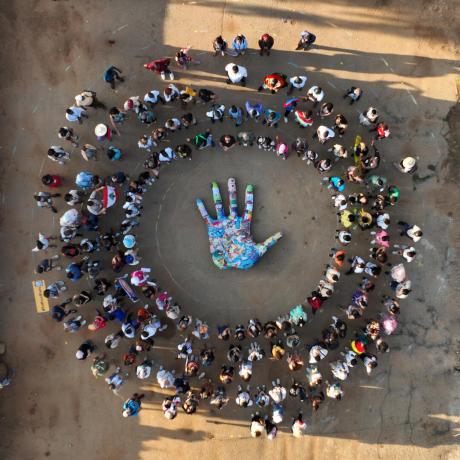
(81, 238)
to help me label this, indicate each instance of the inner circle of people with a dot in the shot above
(365, 208)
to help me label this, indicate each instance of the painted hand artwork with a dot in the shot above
(230, 240)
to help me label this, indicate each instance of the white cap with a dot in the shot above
(100, 130)
(408, 163)
(79, 354)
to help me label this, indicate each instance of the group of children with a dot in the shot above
(134, 329)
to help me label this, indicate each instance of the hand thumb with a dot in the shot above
(268, 243)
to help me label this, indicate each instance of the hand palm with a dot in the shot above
(230, 239)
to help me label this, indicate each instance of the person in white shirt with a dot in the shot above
(151, 328)
(245, 371)
(317, 353)
(344, 237)
(402, 290)
(339, 151)
(340, 201)
(297, 82)
(43, 243)
(173, 124)
(350, 357)
(243, 398)
(58, 154)
(166, 155)
(171, 93)
(115, 381)
(339, 370)
(216, 113)
(255, 352)
(74, 197)
(298, 427)
(411, 231)
(237, 74)
(278, 393)
(370, 362)
(383, 220)
(405, 251)
(165, 378)
(369, 117)
(257, 425)
(334, 391)
(146, 142)
(144, 369)
(315, 94)
(75, 113)
(169, 407)
(153, 97)
(323, 133)
(88, 98)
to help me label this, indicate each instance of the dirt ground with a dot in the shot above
(404, 56)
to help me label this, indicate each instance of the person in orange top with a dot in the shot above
(339, 256)
(274, 82)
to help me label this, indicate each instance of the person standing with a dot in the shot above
(315, 94)
(353, 93)
(289, 106)
(161, 66)
(306, 40)
(414, 232)
(68, 134)
(266, 43)
(89, 152)
(43, 242)
(298, 426)
(153, 97)
(75, 113)
(297, 82)
(220, 46)
(57, 153)
(52, 180)
(236, 114)
(112, 74)
(88, 98)
(273, 82)
(45, 200)
(253, 111)
(240, 45)
(236, 74)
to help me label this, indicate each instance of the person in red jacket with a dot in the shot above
(266, 44)
(160, 66)
(51, 180)
(274, 82)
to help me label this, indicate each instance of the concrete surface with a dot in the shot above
(404, 56)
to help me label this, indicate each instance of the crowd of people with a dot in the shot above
(360, 195)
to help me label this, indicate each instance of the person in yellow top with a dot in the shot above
(347, 218)
(364, 219)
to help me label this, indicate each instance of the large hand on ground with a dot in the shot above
(230, 240)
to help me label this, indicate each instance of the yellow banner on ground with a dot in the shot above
(41, 302)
